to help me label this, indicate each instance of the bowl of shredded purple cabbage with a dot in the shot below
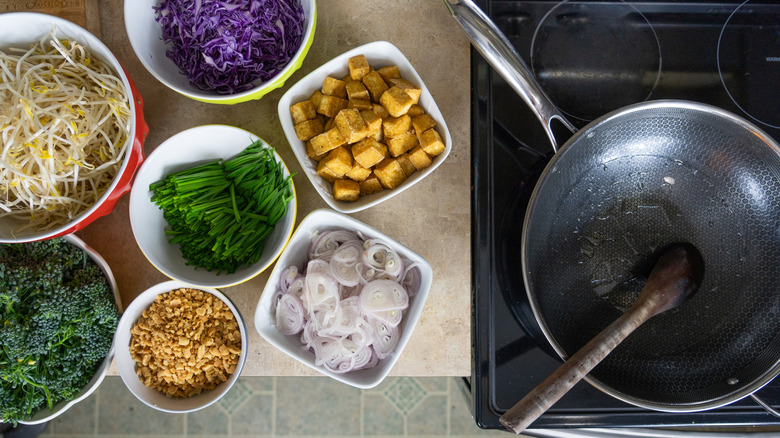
(221, 51)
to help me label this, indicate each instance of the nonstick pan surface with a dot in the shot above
(618, 191)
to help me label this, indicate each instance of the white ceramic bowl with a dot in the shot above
(378, 53)
(126, 366)
(45, 415)
(297, 254)
(145, 36)
(21, 29)
(184, 150)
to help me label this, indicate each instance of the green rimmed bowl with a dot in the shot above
(145, 37)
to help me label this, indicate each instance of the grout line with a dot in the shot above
(362, 412)
(273, 406)
(448, 413)
(447, 427)
(98, 392)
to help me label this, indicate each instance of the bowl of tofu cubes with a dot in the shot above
(364, 127)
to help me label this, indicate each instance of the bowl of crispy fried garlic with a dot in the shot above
(179, 348)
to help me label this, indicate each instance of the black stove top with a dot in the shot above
(591, 58)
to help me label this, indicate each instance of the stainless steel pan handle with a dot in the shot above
(499, 52)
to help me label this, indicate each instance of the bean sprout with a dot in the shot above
(64, 126)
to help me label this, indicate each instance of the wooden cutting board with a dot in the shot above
(85, 13)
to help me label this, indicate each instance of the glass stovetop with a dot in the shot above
(591, 58)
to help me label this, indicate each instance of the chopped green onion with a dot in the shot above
(220, 213)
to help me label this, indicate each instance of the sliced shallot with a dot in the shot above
(289, 315)
(385, 338)
(349, 300)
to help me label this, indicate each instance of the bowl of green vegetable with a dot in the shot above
(213, 206)
(221, 52)
(60, 312)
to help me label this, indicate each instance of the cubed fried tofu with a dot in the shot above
(431, 142)
(423, 123)
(308, 129)
(380, 111)
(303, 111)
(358, 67)
(346, 190)
(419, 158)
(415, 111)
(351, 125)
(394, 126)
(334, 87)
(358, 172)
(373, 122)
(326, 173)
(329, 123)
(347, 78)
(411, 89)
(396, 101)
(389, 72)
(401, 143)
(359, 104)
(311, 154)
(375, 84)
(327, 141)
(356, 90)
(331, 105)
(368, 152)
(370, 185)
(406, 164)
(390, 173)
(315, 99)
(339, 161)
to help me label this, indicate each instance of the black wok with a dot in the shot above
(616, 192)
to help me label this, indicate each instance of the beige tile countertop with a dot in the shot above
(432, 218)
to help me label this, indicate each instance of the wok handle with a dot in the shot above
(494, 46)
(541, 398)
(767, 407)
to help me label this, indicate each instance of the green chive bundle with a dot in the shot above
(221, 213)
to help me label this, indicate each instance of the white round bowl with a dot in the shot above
(184, 150)
(20, 29)
(378, 53)
(145, 36)
(126, 366)
(296, 254)
(45, 415)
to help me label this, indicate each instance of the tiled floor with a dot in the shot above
(283, 407)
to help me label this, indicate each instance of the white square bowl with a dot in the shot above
(296, 253)
(379, 54)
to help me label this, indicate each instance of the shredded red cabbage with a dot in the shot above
(230, 46)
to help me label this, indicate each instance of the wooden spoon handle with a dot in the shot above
(541, 398)
(675, 277)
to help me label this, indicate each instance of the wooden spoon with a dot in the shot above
(674, 278)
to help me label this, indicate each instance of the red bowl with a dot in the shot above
(135, 156)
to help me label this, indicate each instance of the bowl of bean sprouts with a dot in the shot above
(71, 128)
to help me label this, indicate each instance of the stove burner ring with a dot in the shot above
(592, 58)
(749, 90)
